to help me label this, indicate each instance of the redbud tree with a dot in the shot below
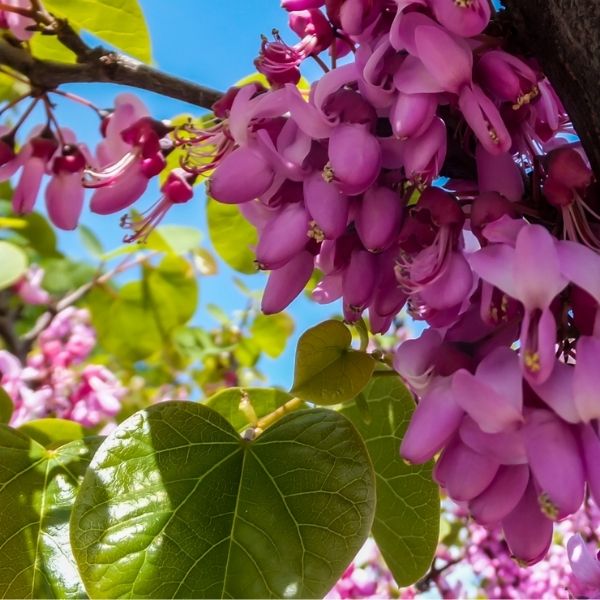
(441, 167)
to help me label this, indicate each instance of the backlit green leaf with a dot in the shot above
(121, 23)
(327, 370)
(175, 504)
(37, 490)
(13, 264)
(271, 333)
(231, 235)
(408, 506)
(53, 432)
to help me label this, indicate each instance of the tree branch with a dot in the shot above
(102, 66)
(564, 35)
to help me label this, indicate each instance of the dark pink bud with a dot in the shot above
(146, 134)
(506, 78)
(359, 281)
(326, 205)
(243, 175)
(278, 62)
(378, 219)
(443, 208)
(153, 165)
(70, 161)
(178, 186)
(43, 147)
(283, 237)
(354, 159)
(486, 209)
(411, 114)
(557, 193)
(286, 283)
(566, 166)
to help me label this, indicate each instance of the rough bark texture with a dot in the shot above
(564, 35)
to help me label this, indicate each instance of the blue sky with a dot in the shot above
(211, 43)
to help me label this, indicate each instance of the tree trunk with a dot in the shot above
(564, 35)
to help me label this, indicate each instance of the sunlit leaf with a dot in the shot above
(13, 264)
(52, 432)
(327, 369)
(175, 504)
(121, 23)
(37, 490)
(408, 506)
(231, 235)
(271, 333)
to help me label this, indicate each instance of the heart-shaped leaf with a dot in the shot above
(37, 490)
(407, 516)
(176, 504)
(328, 371)
(13, 264)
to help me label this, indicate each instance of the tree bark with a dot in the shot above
(564, 35)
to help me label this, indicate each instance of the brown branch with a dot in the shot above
(102, 66)
(564, 35)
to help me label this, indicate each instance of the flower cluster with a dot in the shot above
(51, 384)
(133, 151)
(506, 275)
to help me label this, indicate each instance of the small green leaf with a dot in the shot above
(121, 23)
(271, 333)
(179, 238)
(37, 490)
(175, 504)
(6, 406)
(91, 242)
(231, 235)
(53, 432)
(327, 370)
(40, 235)
(62, 275)
(13, 264)
(48, 47)
(408, 506)
(263, 400)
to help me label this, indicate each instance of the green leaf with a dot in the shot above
(262, 400)
(179, 239)
(62, 275)
(271, 333)
(40, 235)
(13, 264)
(53, 432)
(47, 47)
(175, 504)
(121, 23)
(327, 370)
(231, 235)
(37, 490)
(408, 506)
(6, 406)
(91, 242)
